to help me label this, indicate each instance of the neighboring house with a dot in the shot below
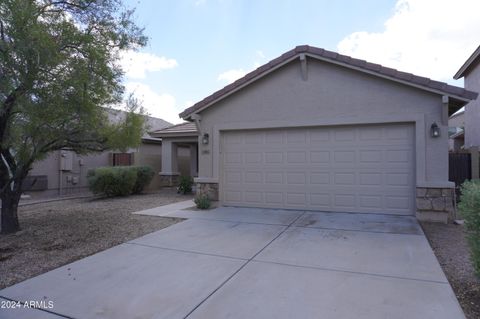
(456, 131)
(470, 72)
(64, 172)
(316, 130)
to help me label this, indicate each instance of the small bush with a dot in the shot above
(112, 181)
(144, 177)
(185, 186)
(202, 201)
(469, 208)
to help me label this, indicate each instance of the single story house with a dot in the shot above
(470, 72)
(65, 173)
(316, 130)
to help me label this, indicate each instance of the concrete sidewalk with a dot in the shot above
(165, 210)
(254, 263)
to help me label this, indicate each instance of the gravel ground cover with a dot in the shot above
(56, 233)
(450, 247)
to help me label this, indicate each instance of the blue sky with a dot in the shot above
(198, 46)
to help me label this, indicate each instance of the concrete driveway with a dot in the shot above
(253, 263)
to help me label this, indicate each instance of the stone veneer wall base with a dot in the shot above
(209, 189)
(435, 204)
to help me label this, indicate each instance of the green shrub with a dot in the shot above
(144, 177)
(185, 186)
(469, 208)
(202, 201)
(112, 181)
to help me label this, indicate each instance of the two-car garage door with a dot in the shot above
(368, 168)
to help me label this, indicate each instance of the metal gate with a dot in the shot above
(459, 169)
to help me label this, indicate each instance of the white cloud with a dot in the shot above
(157, 105)
(260, 54)
(200, 2)
(137, 64)
(259, 59)
(432, 38)
(231, 75)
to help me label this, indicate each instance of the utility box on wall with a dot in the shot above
(66, 160)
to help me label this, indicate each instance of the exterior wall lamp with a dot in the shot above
(205, 139)
(434, 130)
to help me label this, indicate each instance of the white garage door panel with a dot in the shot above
(348, 168)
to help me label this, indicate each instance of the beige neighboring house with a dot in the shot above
(65, 173)
(316, 130)
(470, 72)
(456, 131)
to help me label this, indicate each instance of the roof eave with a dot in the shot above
(468, 64)
(151, 140)
(175, 134)
(454, 105)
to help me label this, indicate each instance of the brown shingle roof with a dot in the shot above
(187, 128)
(333, 57)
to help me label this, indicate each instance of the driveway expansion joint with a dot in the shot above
(350, 272)
(186, 251)
(358, 230)
(229, 220)
(244, 264)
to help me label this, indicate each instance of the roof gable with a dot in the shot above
(440, 88)
(471, 62)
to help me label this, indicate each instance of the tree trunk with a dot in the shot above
(10, 201)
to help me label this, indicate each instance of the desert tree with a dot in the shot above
(59, 70)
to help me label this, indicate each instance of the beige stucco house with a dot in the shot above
(316, 130)
(470, 72)
(65, 173)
